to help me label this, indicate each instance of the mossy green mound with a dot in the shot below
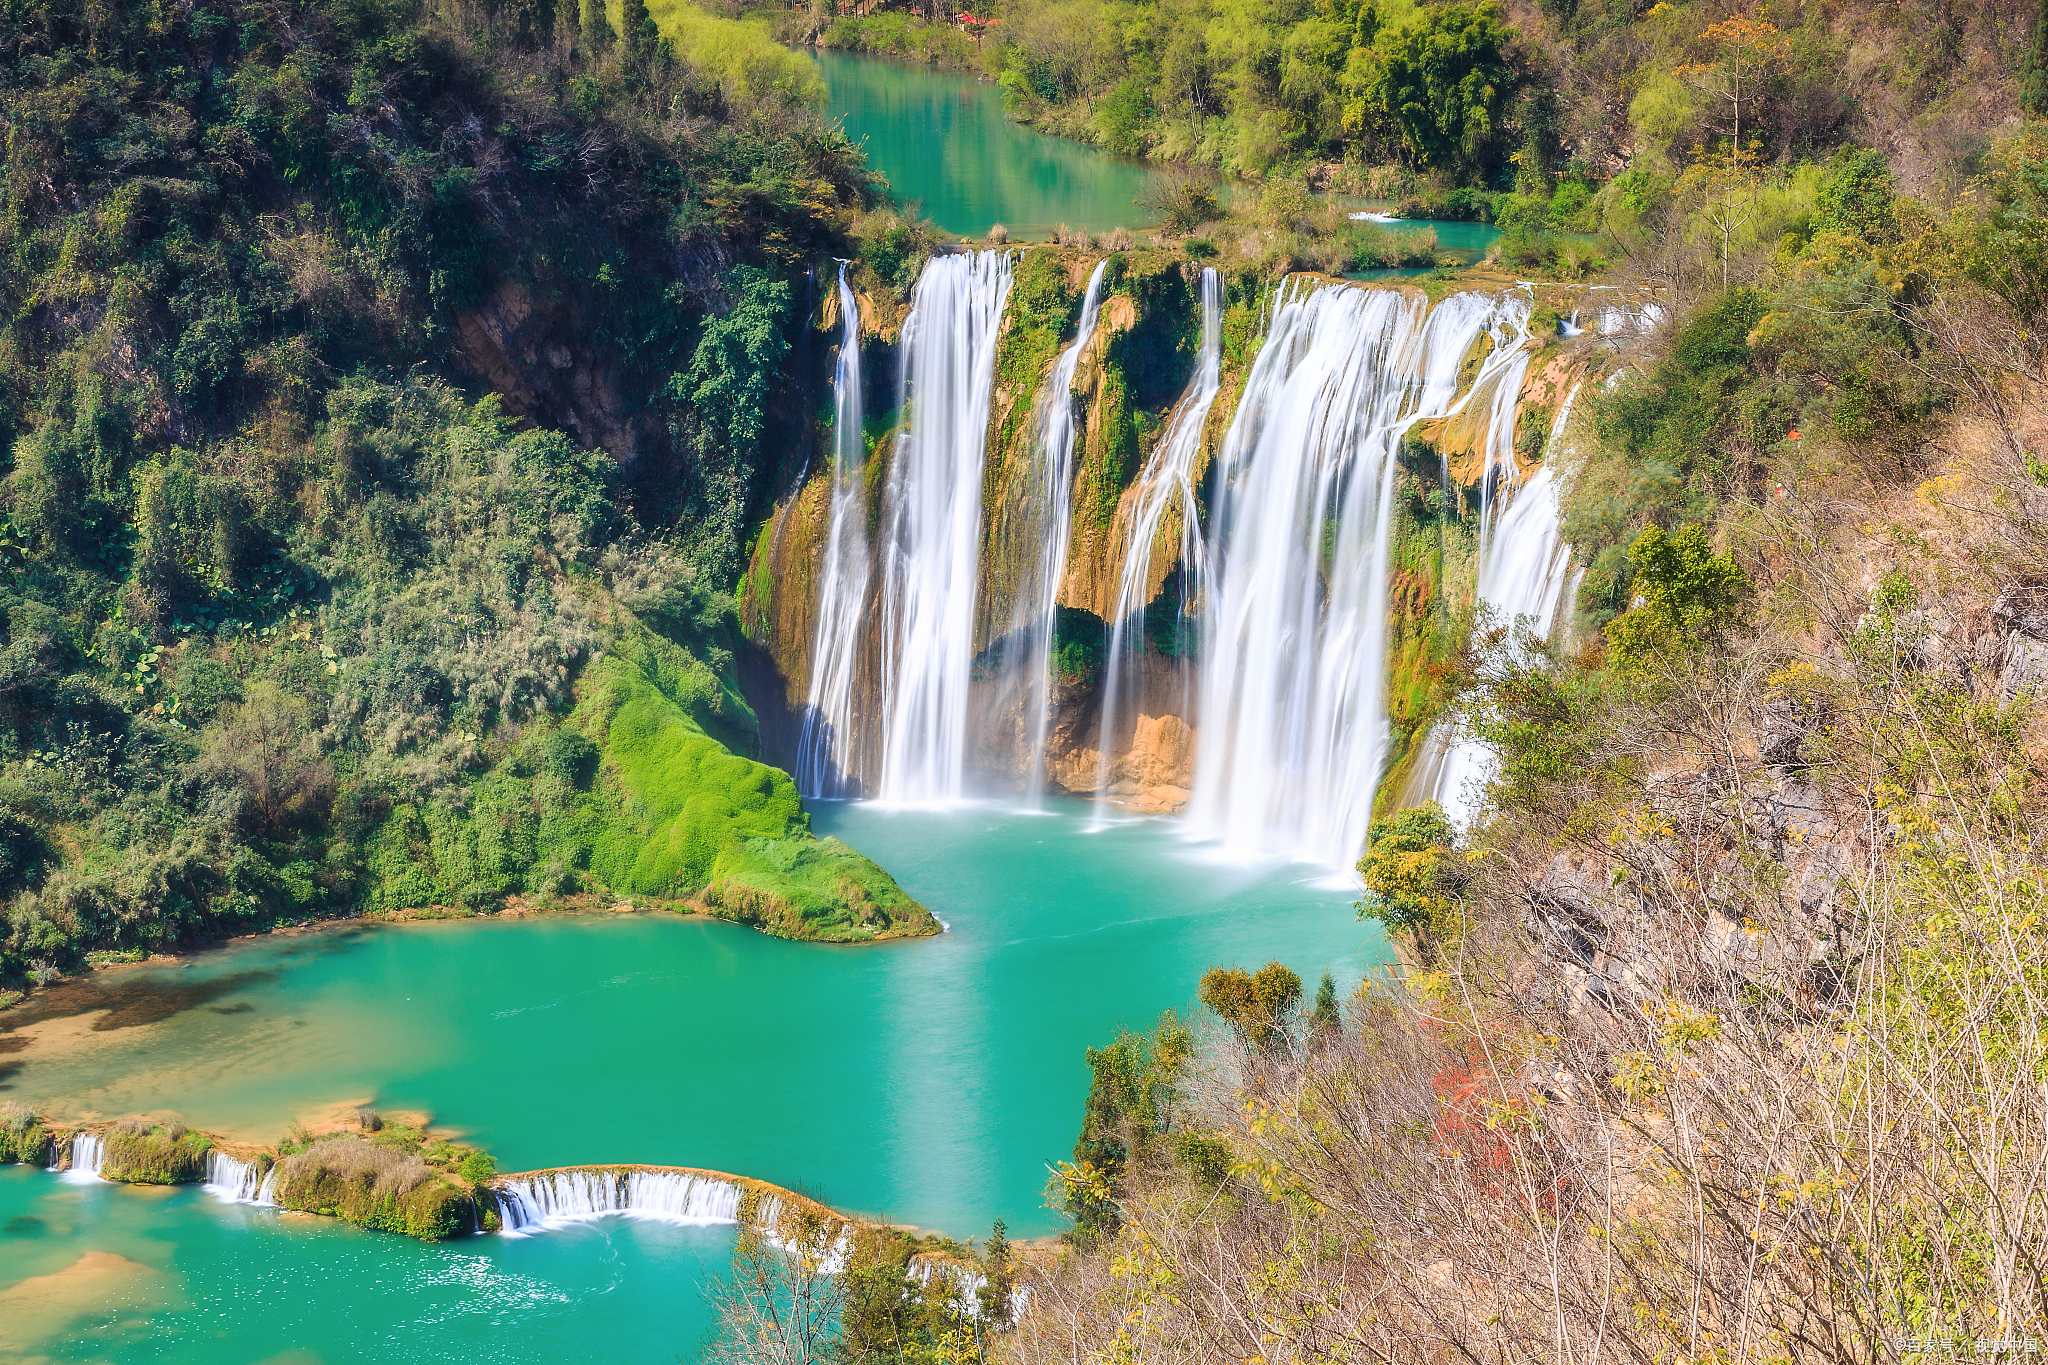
(384, 1188)
(685, 819)
(136, 1153)
(631, 796)
(23, 1137)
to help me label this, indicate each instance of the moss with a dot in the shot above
(376, 1186)
(677, 817)
(27, 1142)
(157, 1156)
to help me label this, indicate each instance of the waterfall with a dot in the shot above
(1294, 732)
(237, 1182)
(1166, 484)
(86, 1150)
(932, 530)
(1522, 578)
(552, 1199)
(1029, 648)
(824, 767)
(1500, 380)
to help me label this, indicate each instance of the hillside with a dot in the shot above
(369, 524)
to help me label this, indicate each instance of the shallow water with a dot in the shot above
(943, 142)
(99, 1272)
(929, 1082)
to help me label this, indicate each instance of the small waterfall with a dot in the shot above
(824, 767)
(551, 1199)
(1523, 579)
(237, 1182)
(1294, 732)
(1029, 661)
(932, 525)
(1165, 485)
(86, 1151)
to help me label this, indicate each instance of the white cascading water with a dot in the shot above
(1294, 730)
(86, 1151)
(932, 525)
(1522, 578)
(1038, 584)
(236, 1182)
(1502, 384)
(529, 1204)
(1167, 483)
(825, 767)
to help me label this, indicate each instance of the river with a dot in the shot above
(928, 1082)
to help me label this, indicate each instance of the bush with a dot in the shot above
(372, 1185)
(137, 1152)
(1258, 1004)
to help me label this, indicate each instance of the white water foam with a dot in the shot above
(1522, 579)
(1165, 485)
(1038, 587)
(238, 1182)
(555, 1199)
(1294, 733)
(86, 1153)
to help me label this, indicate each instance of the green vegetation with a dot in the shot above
(1256, 1004)
(23, 1136)
(387, 1177)
(1448, 106)
(1412, 884)
(1129, 1112)
(309, 540)
(137, 1152)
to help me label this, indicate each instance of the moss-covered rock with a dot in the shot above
(373, 1185)
(678, 818)
(23, 1136)
(136, 1152)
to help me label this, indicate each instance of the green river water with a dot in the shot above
(943, 142)
(928, 1082)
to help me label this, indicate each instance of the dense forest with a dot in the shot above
(1408, 98)
(381, 386)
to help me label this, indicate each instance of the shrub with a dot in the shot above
(1257, 1004)
(1410, 881)
(137, 1152)
(374, 1186)
(23, 1137)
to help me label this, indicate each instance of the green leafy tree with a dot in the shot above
(597, 28)
(1690, 596)
(1256, 1004)
(1410, 878)
(636, 28)
(1130, 1104)
(1443, 86)
(1324, 1018)
(1858, 198)
(723, 398)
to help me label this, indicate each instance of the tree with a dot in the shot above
(1324, 1019)
(597, 28)
(1689, 596)
(1256, 1004)
(1443, 86)
(636, 28)
(1747, 51)
(1410, 881)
